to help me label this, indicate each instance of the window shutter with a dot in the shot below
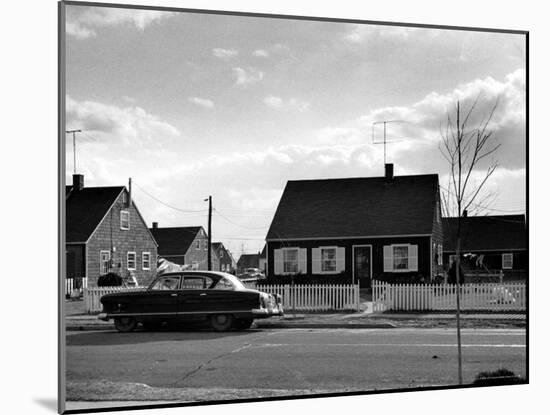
(302, 260)
(388, 260)
(340, 259)
(413, 257)
(278, 261)
(316, 260)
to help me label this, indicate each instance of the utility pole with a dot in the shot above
(209, 233)
(74, 146)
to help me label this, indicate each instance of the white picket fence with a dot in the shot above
(92, 296)
(314, 297)
(435, 297)
(73, 284)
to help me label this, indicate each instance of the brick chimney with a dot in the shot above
(78, 181)
(155, 225)
(389, 172)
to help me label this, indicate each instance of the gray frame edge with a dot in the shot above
(61, 349)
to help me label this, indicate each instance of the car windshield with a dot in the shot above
(229, 282)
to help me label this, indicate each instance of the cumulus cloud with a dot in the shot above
(224, 53)
(202, 102)
(260, 53)
(363, 32)
(116, 123)
(289, 104)
(83, 22)
(247, 76)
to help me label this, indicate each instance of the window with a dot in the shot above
(400, 257)
(507, 261)
(131, 261)
(198, 244)
(328, 259)
(146, 260)
(104, 262)
(196, 282)
(167, 283)
(124, 220)
(124, 198)
(440, 254)
(195, 265)
(290, 260)
(221, 254)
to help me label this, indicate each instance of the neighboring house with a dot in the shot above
(106, 233)
(248, 261)
(489, 244)
(184, 246)
(224, 257)
(357, 229)
(263, 261)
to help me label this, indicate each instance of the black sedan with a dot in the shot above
(216, 298)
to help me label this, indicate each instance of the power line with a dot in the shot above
(234, 223)
(166, 204)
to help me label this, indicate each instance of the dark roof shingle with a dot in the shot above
(86, 208)
(174, 241)
(481, 233)
(355, 207)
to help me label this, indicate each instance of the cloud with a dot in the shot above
(116, 123)
(364, 32)
(202, 102)
(289, 104)
(82, 22)
(260, 53)
(247, 76)
(224, 53)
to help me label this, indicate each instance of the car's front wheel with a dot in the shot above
(221, 322)
(125, 324)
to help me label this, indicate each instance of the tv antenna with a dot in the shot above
(385, 140)
(74, 146)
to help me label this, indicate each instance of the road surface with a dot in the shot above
(287, 362)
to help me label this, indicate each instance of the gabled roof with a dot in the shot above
(86, 208)
(354, 207)
(175, 241)
(480, 233)
(249, 261)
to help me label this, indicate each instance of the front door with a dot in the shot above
(362, 259)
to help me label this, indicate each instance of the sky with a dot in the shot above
(191, 105)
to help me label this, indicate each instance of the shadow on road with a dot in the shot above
(112, 338)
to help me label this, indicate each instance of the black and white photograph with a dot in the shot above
(266, 207)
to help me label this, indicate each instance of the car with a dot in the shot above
(216, 298)
(251, 274)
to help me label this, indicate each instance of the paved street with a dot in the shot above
(305, 360)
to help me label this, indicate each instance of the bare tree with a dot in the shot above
(464, 148)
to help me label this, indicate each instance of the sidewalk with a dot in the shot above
(359, 320)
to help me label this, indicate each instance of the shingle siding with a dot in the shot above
(109, 234)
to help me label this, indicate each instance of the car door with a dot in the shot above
(162, 298)
(194, 299)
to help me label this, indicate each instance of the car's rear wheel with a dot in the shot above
(243, 324)
(125, 324)
(221, 322)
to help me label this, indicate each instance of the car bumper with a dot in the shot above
(103, 316)
(265, 312)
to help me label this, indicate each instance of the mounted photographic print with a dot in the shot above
(259, 207)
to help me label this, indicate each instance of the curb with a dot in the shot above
(96, 327)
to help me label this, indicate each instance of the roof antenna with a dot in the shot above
(384, 141)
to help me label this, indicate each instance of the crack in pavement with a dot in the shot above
(202, 365)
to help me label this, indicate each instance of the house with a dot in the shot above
(224, 257)
(184, 246)
(263, 261)
(106, 233)
(353, 230)
(248, 261)
(489, 244)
